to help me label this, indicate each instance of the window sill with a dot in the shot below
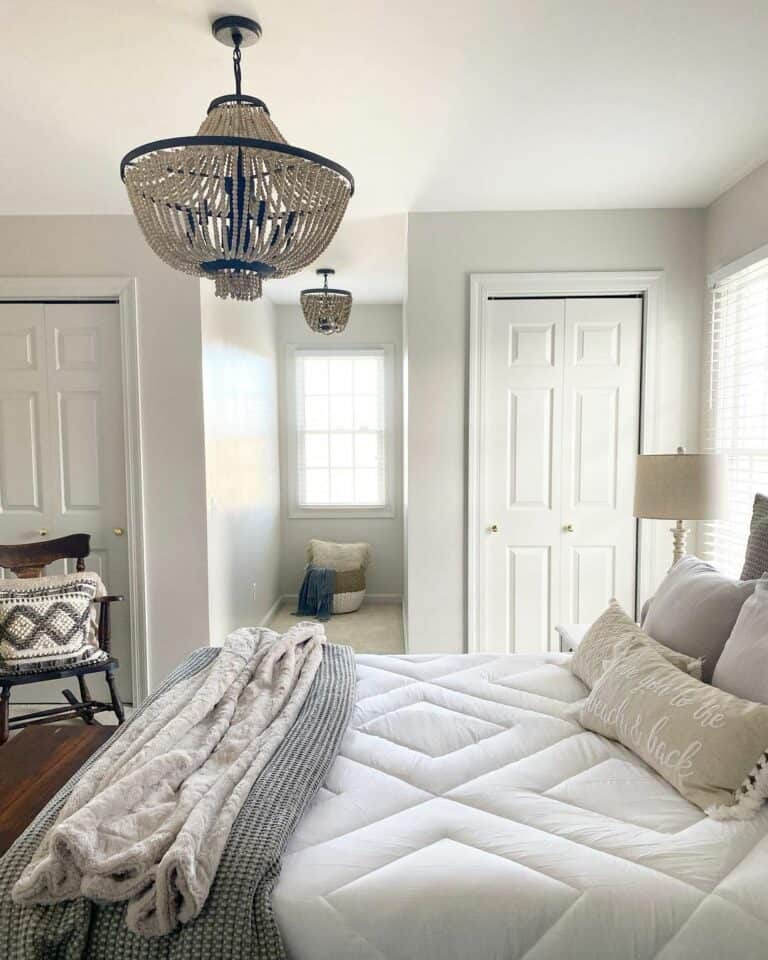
(340, 513)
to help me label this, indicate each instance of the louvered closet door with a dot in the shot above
(62, 467)
(560, 413)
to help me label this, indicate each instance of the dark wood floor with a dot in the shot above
(36, 763)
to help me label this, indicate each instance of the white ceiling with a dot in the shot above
(432, 104)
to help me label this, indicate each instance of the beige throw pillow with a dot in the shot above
(710, 745)
(612, 627)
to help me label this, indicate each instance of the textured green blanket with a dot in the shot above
(236, 921)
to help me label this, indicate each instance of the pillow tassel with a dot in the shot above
(749, 797)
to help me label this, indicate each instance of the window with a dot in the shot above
(342, 444)
(737, 414)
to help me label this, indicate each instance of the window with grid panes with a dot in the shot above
(341, 446)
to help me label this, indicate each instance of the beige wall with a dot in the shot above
(171, 408)
(737, 222)
(369, 324)
(242, 463)
(443, 250)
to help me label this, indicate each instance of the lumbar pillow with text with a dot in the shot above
(710, 745)
(611, 629)
(48, 622)
(743, 665)
(694, 610)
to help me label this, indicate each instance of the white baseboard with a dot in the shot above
(369, 598)
(271, 612)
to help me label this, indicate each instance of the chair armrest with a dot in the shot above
(571, 635)
(108, 599)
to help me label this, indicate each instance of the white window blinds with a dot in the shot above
(737, 414)
(340, 428)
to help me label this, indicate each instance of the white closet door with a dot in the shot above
(62, 466)
(521, 471)
(601, 401)
(560, 415)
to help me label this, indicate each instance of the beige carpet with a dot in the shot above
(374, 628)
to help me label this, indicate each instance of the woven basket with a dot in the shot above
(348, 602)
(349, 560)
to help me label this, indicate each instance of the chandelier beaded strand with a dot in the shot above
(326, 309)
(236, 203)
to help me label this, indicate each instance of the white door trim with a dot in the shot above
(648, 283)
(123, 289)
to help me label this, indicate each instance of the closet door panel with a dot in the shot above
(601, 390)
(25, 463)
(521, 489)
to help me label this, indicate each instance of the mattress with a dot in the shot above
(468, 816)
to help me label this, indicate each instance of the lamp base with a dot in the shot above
(679, 536)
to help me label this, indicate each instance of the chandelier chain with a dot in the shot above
(236, 58)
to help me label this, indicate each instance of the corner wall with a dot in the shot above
(737, 222)
(443, 250)
(242, 461)
(369, 324)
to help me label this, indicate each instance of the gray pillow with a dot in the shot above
(694, 610)
(743, 666)
(756, 558)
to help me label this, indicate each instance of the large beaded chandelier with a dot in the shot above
(236, 203)
(326, 309)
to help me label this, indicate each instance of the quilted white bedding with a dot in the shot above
(466, 818)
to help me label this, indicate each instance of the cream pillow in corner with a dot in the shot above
(614, 627)
(710, 745)
(341, 557)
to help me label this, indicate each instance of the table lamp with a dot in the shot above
(675, 485)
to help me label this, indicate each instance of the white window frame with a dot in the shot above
(297, 510)
(733, 529)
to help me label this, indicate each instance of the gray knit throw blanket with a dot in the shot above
(241, 848)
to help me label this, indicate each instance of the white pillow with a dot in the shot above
(743, 665)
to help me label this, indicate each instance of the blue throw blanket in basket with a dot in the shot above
(316, 593)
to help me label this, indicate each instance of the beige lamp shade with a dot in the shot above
(680, 486)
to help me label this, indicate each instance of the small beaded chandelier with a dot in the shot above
(235, 203)
(325, 309)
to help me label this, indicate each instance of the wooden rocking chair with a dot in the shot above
(30, 560)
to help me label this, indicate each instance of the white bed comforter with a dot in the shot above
(466, 818)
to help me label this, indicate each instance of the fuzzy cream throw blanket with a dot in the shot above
(149, 821)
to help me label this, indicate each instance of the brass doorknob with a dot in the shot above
(43, 533)
(493, 528)
(118, 531)
(568, 528)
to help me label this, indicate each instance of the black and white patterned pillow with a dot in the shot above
(46, 622)
(756, 558)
